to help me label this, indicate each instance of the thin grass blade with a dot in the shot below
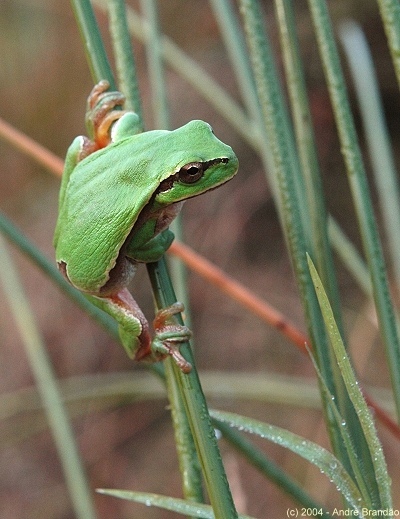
(47, 385)
(359, 188)
(173, 504)
(269, 468)
(382, 479)
(377, 135)
(327, 463)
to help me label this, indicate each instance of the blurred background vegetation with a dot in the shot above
(128, 442)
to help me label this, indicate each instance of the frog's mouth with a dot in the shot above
(189, 173)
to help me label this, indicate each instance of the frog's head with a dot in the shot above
(199, 162)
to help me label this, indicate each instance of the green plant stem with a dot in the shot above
(190, 469)
(91, 37)
(278, 132)
(48, 388)
(377, 135)
(307, 150)
(315, 201)
(390, 14)
(155, 65)
(359, 188)
(236, 47)
(360, 475)
(276, 121)
(196, 408)
(124, 59)
(188, 461)
(286, 166)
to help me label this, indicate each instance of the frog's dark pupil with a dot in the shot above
(191, 172)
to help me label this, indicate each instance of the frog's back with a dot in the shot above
(106, 192)
(102, 201)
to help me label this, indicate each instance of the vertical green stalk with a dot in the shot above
(155, 65)
(91, 37)
(377, 135)
(390, 14)
(188, 460)
(48, 389)
(190, 469)
(383, 499)
(307, 150)
(124, 60)
(314, 213)
(359, 188)
(196, 76)
(287, 167)
(236, 47)
(315, 201)
(196, 409)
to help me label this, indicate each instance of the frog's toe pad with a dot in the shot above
(170, 348)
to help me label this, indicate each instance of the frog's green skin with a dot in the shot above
(115, 208)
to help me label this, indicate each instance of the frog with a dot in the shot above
(120, 190)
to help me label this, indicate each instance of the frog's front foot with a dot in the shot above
(169, 335)
(104, 108)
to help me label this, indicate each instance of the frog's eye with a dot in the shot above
(192, 172)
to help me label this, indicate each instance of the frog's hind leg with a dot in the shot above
(134, 329)
(133, 326)
(169, 334)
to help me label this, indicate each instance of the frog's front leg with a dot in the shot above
(134, 329)
(152, 250)
(106, 122)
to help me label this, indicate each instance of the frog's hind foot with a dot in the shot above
(169, 335)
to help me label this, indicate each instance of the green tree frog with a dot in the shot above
(120, 190)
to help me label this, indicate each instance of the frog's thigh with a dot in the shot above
(133, 326)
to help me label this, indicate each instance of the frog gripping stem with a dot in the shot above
(103, 110)
(168, 336)
(134, 329)
(121, 189)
